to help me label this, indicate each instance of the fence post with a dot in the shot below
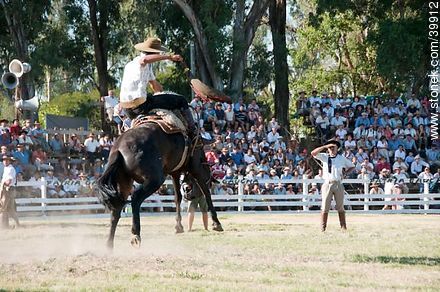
(366, 199)
(43, 195)
(426, 192)
(305, 193)
(240, 193)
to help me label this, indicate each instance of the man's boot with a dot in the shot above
(324, 217)
(342, 220)
(192, 129)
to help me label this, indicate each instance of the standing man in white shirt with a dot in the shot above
(138, 74)
(110, 101)
(7, 196)
(333, 167)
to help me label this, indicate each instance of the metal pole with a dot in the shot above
(240, 193)
(305, 194)
(43, 196)
(426, 192)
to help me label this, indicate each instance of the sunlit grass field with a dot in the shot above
(256, 252)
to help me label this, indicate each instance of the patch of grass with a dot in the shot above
(424, 261)
(190, 275)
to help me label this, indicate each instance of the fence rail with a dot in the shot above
(426, 202)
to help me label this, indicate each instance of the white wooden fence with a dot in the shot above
(425, 203)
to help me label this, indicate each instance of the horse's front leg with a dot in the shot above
(115, 216)
(136, 223)
(178, 201)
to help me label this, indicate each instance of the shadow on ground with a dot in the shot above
(425, 261)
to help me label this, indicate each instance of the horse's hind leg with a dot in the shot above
(216, 225)
(178, 201)
(116, 214)
(138, 197)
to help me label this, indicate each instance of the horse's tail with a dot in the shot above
(107, 187)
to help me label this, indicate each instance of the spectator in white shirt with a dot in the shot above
(110, 101)
(418, 165)
(273, 135)
(92, 148)
(400, 153)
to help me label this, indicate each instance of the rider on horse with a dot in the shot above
(138, 74)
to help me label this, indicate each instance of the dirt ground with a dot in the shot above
(256, 251)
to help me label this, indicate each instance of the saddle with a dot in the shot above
(168, 121)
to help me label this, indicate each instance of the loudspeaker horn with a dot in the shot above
(10, 80)
(30, 104)
(19, 68)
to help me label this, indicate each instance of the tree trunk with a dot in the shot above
(277, 19)
(99, 33)
(202, 42)
(243, 35)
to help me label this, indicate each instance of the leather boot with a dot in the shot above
(192, 129)
(324, 217)
(342, 220)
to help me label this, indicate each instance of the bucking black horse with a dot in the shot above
(147, 154)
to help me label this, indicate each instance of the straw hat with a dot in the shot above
(151, 45)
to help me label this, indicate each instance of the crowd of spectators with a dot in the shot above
(69, 163)
(384, 137)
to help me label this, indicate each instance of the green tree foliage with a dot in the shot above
(74, 104)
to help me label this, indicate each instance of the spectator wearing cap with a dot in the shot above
(363, 120)
(400, 163)
(75, 146)
(51, 181)
(92, 147)
(98, 167)
(417, 166)
(425, 177)
(375, 189)
(400, 184)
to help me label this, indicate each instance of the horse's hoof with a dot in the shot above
(136, 241)
(109, 245)
(217, 227)
(179, 229)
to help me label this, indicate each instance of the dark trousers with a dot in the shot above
(166, 101)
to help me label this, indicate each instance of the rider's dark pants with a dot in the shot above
(164, 101)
